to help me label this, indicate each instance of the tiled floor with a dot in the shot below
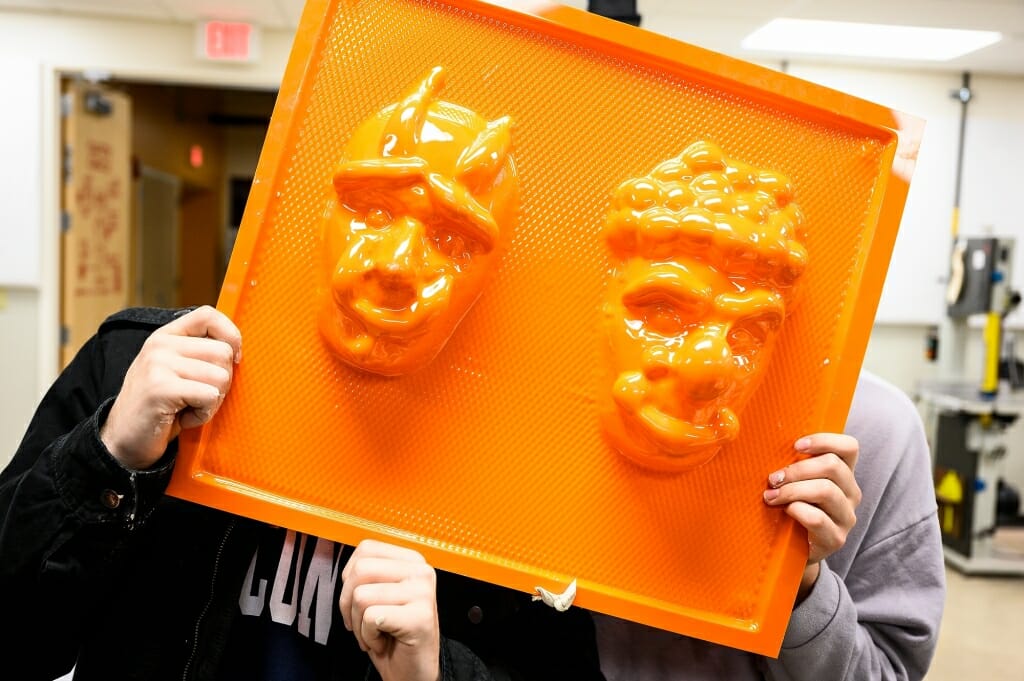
(982, 635)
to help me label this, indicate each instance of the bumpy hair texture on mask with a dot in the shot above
(706, 206)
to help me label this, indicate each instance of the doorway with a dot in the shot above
(185, 156)
(158, 273)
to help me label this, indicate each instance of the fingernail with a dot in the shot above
(770, 495)
(238, 355)
(803, 444)
(776, 478)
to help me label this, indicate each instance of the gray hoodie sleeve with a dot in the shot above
(874, 612)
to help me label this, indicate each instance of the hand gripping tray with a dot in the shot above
(491, 458)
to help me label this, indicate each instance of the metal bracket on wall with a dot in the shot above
(67, 163)
(67, 102)
(98, 104)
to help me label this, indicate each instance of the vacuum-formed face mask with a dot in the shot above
(706, 251)
(425, 199)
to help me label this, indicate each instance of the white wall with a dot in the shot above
(20, 259)
(914, 293)
(994, 140)
(21, 263)
(912, 299)
(133, 49)
(19, 311)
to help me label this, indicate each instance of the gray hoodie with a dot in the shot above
(874, 612)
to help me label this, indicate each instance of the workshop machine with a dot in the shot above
(969, 419)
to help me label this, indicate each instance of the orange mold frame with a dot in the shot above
(491, 458)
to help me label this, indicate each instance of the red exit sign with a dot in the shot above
(228, 41)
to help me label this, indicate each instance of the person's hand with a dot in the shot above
(178, 380)
(821, 494)
(389, 601)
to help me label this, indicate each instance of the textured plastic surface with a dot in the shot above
(491, 459)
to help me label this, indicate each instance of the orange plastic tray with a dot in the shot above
(491, 460)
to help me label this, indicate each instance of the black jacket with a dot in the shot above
(100, 570)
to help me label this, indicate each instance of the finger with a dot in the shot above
(369, 548)
(345, 600)
(345, 606)
(828, 466)
(361, 570)
(823, 535)
(206, 349)
(374, 561)
(415, 595)
(199, 371)
(819, 492)
(381, 570)
(207, 322)
(352, 614)
(366, 597)
(375, 638)
(378, 549)
(385, 623)
(198, 402)
(845, 447)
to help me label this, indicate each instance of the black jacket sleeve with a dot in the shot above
(67, 506)
(458, 663)
(74, 542)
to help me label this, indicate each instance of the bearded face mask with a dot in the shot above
(706, 251)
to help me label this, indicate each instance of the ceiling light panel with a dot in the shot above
(847, 39)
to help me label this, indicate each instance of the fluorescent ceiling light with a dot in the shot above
(867, 40)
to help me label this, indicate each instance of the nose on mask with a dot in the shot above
(702, 368)
(705, 388)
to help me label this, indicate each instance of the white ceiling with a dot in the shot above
(719, 26)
